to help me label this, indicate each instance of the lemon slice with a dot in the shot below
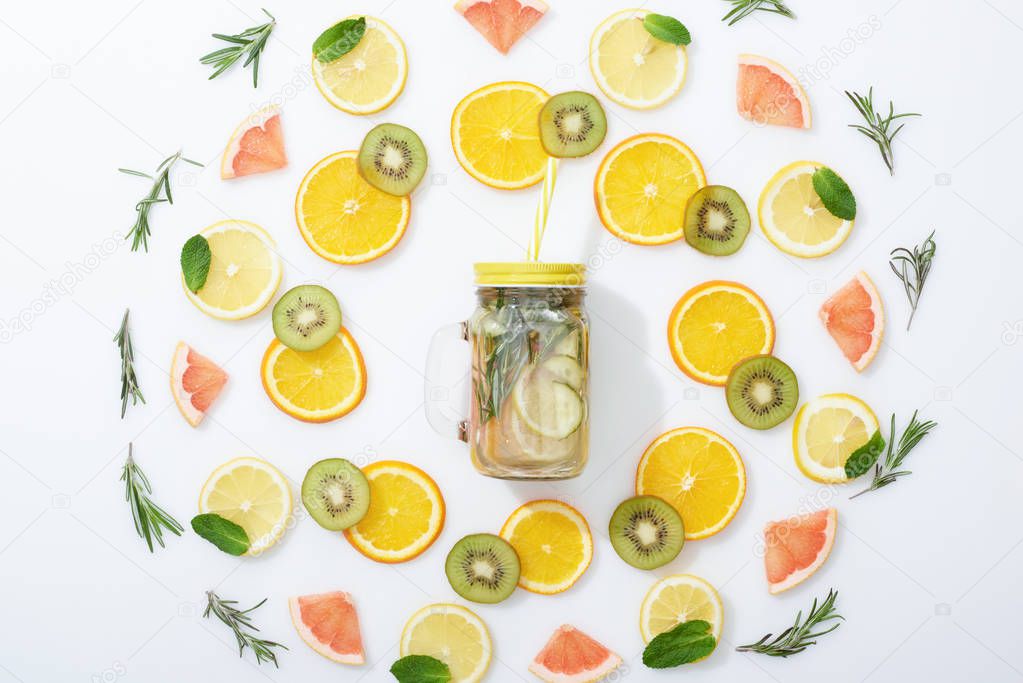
(547, 406)
(632, 67)
(253, 494)
(676, 599)
(826, 432)
(793, 216)
(564, 368)
(370, 77)
(539, 448)
(452, 634)
(244, 271)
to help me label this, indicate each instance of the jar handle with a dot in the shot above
(445, 379)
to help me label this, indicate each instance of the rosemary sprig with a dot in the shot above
(887, 472)
(801, 634)
(743, 8)
(158, 193)
(912, 267)
(150, 519)
(249, 44)
(877, 128)
(240, 622)
(129, 382)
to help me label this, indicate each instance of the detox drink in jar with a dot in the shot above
(530, 340)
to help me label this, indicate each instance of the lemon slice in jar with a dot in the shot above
(548, 406)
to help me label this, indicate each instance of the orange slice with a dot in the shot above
(642, 187)
(315, 386)
(714, 326)
(797, 547)
(405, 516)
(854, 317)
(700, 473)
(495, 132)
(767, 93)
(343, 218)
(553, 542)
(196, 382)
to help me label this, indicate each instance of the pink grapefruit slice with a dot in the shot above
(502, 22)
(571, 656)
(767, 93)
(329, 624)
(797, 547)
(854, 317)
(196, 382)
(256, 146)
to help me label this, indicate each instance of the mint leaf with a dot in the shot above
(222, 533)
(668, 29)
(687, 642)
(837, 197)
(339, 40)
(864, 457)
(420, 669)
(195, 262)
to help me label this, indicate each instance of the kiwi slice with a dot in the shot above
(572, 124)
(717, 220)
(306, 317)
(483, 568)
(762, 391)
(646, 532)
(393, 159)
(336, 493)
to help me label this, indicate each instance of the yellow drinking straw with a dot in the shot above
(543, 208)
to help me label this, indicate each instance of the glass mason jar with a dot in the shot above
(528, 414)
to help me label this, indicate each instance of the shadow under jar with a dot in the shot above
(528, 408)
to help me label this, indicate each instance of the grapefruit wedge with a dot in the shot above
(256, 146)
(797, 547)
(502, 22)
(854, 317)
(767, 93)
(328, 623)
(571, 656)
(196, 382)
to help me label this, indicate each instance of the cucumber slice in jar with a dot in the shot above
(547, 407)
(564, 369)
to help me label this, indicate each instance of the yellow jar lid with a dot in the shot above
(530, 273)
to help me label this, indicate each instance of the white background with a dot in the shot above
(928, 569)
